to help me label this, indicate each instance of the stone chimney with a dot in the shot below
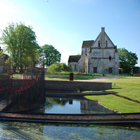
(102, 29)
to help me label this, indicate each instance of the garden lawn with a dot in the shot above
(127, 87)
(17, 76)
(66, 77)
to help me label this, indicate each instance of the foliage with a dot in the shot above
(127, 60)
(57, 101)
(58, 67)
(21, 45)
(89, 74)
(136, 70)
(127, 87)
(52, 55)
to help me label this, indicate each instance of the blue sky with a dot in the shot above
(65, 24)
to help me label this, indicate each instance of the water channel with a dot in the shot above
(56, 131)
(73, 105)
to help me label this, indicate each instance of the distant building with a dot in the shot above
(73, 62)
(2, 62)
(99, 56)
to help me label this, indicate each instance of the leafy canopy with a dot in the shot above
(59, 67)
(20, 43)
(52, 55)
(127, 60)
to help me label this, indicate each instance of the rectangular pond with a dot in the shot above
(73, 106)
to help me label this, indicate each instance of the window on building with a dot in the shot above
(99, 43)
(94, 69)
(110, 70)
(109, 58)
(106, 43)
(86, 51)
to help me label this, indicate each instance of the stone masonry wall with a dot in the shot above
(76, 85)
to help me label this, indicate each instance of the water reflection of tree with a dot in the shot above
(59, 101)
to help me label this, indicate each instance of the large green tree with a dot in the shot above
(20, 43)
(127, 60)
(52, 55)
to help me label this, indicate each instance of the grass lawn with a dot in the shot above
(127, 87)
(17, 76)
(66, 77)
(89, 74)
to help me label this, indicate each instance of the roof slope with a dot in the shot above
(74, 58)
(87, 44)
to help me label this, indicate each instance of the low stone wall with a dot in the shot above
(136, 75)
(76, 85)
(133, 118)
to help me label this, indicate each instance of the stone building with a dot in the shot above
(99, 56)
(2, 61)
(73, 62)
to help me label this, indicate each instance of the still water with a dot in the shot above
(43, 131)
(73, 106)
(38, 131)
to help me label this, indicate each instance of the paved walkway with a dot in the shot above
(73, 118)
(101, 78)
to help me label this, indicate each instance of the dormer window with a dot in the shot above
(99, 43)
(106, 43)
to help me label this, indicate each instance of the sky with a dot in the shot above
(65, 24)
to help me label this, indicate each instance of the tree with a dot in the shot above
(51, 54)
(21, 45)
(58, 67)
(127, 60)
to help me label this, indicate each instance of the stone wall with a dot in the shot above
(76, 86)
(74, 66)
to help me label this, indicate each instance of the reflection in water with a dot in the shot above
(74, 106)
(38, 131)
(91, 107)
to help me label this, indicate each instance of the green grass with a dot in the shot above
(127, 87)
(17, 76)
(66, 77)
(88, 74)
(56, 78)
(4, 75)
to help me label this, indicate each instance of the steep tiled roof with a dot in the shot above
(74, 58)
(87, 44)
